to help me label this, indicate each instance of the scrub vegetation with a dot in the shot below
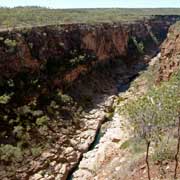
(155, 118)
(36, 16)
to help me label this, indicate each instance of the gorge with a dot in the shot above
(59, 85)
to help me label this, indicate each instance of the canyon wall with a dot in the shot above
(69, 50)
(170, 53)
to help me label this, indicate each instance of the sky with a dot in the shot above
(63, 4)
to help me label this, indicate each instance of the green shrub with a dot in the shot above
(64, 97)
(42, 120)
(5, 98)
(165, 150)
(10, 153)
(162, 102)
(134, 145)
(18, 131)
(152, 116)
(78, 60)
(126, 144)
(10, 43)
(139, 45)
(36, 151)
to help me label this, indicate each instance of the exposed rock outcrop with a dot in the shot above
(32, 50)
(72, 142)
(170, 53)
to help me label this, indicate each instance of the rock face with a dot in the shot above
(29, 50)
(170, 57)
(108, 148)
(74, 47)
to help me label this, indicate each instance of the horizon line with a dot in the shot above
(91, 7)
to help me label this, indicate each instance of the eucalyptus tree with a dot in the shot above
(153, 114)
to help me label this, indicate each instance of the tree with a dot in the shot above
(152, 114)
(177, 151)
(144, 120)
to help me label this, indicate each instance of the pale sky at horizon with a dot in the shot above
(63, 4)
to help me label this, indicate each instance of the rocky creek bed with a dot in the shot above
(107, 152)
(86, 147)
(79, 141)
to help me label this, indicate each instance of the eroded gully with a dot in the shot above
(110, 134)
(80, 152)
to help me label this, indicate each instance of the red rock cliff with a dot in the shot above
(68, 50)
(170, 53)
